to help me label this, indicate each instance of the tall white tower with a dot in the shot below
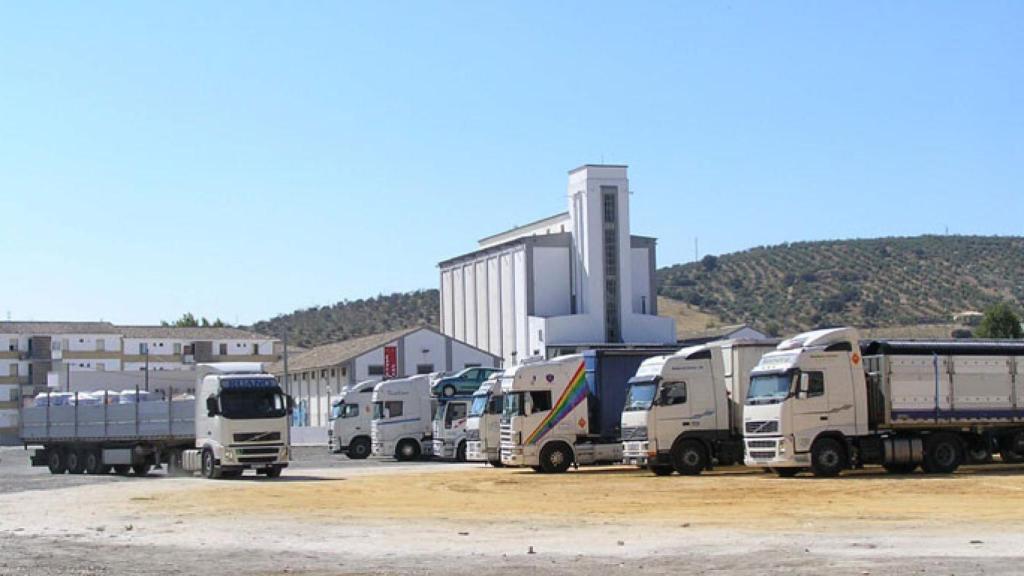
(601, 276)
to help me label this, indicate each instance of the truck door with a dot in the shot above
(674, 412)
(810, 407)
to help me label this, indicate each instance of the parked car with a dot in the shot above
(464, 382)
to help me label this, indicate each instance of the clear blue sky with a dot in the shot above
(246, 159)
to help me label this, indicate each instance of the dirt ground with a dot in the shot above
(368, 518)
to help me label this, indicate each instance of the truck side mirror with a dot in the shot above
(802, 387)
(291, 403)
(211, 406)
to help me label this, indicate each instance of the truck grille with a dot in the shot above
(634, 433)
(762, 427)
(762, 455)
(473, 435)
(761, 444)
(258, 437)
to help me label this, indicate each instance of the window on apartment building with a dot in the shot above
(344, 370)
(471, 365)
(101, 345)
(143, 348)
(375, 369)
(13, 370)
(424, 368)
(12, 346)
(323, 373)
(177, 347)
(255, 349)
(223, 349)
(332, 372)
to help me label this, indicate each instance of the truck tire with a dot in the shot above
(979, 454)
(94, 462)
(828, 458)
(273, 472)
(942, 453)
(210, 468)
(448, 390)
(359, 448)
(460, 452)
(900, 467)
(1010, 448)
(76, 462)
(141, 469)
(555, 458)
(689, 458)
(787, 472)
(496, 463)
(122, 469)
(661, 470)
(407, 450)
(55, 461)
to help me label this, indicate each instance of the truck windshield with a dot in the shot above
(494, 404)
(513, 406)
(253, 404)
(478, 407)
(640, 396)
(769, 388)
(336, 410)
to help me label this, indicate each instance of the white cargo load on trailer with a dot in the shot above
(826, 401)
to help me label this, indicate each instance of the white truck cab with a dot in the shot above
(351, 415)
(683, 412)
(449, 428)
(402, 418)
(483, 427)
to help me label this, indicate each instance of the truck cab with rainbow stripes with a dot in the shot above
(567, 411)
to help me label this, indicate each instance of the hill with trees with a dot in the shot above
(876, 282)
(355, 318)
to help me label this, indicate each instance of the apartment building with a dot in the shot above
(37, 356)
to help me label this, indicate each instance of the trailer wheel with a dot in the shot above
(55, 461)
(900, 467)
(460, 452)
(407, 450)
(1011, 448)
(94, 462)
(359, 448)
(786, 472)
(76, 462)
(979, 454)
(141, 469)
(555, 458)
(689, 458)
(210, 468)
(496, 463)
(661, 470)
(122, 469)
(942, 453)
(828, 458)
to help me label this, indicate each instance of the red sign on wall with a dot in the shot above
(390, 361)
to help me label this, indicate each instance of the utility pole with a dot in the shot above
(287, 382)
(147, 367)
(67, 379)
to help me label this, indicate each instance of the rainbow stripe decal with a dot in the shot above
(571, 397)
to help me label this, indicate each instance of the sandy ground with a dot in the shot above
(462, 519)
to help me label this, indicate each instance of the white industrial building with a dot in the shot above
(575, 280)
(319, 374)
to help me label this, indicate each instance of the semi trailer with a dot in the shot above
(237, 421)
(483, 427)
(826, 401)
(449, 427)
(402, 417)
(351, 415)
(684, 412)
(567, 411)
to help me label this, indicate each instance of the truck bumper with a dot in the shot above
(475, 452)
(635, 453)
(773, 452)
(255, 457)
(520, 456)
(441, 449)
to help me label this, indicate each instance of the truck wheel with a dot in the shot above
(828, 458)
(407, 450)
(210, 468)
(94, 462)
(141, 469)
(231, 473)
(76, 462)
(786, 472)
(942, 454)
(460, 452)
(979, 455)
(899, 467)
(1010, 448)
(448, 390)
(273, 472)
(122, 469)
(55, 461)
(496, 463)
(689, 458)
(555, 458)
(661, 470)
(359, 449)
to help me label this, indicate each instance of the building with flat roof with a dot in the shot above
(571, 281)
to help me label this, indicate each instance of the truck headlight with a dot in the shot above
(229, 454)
